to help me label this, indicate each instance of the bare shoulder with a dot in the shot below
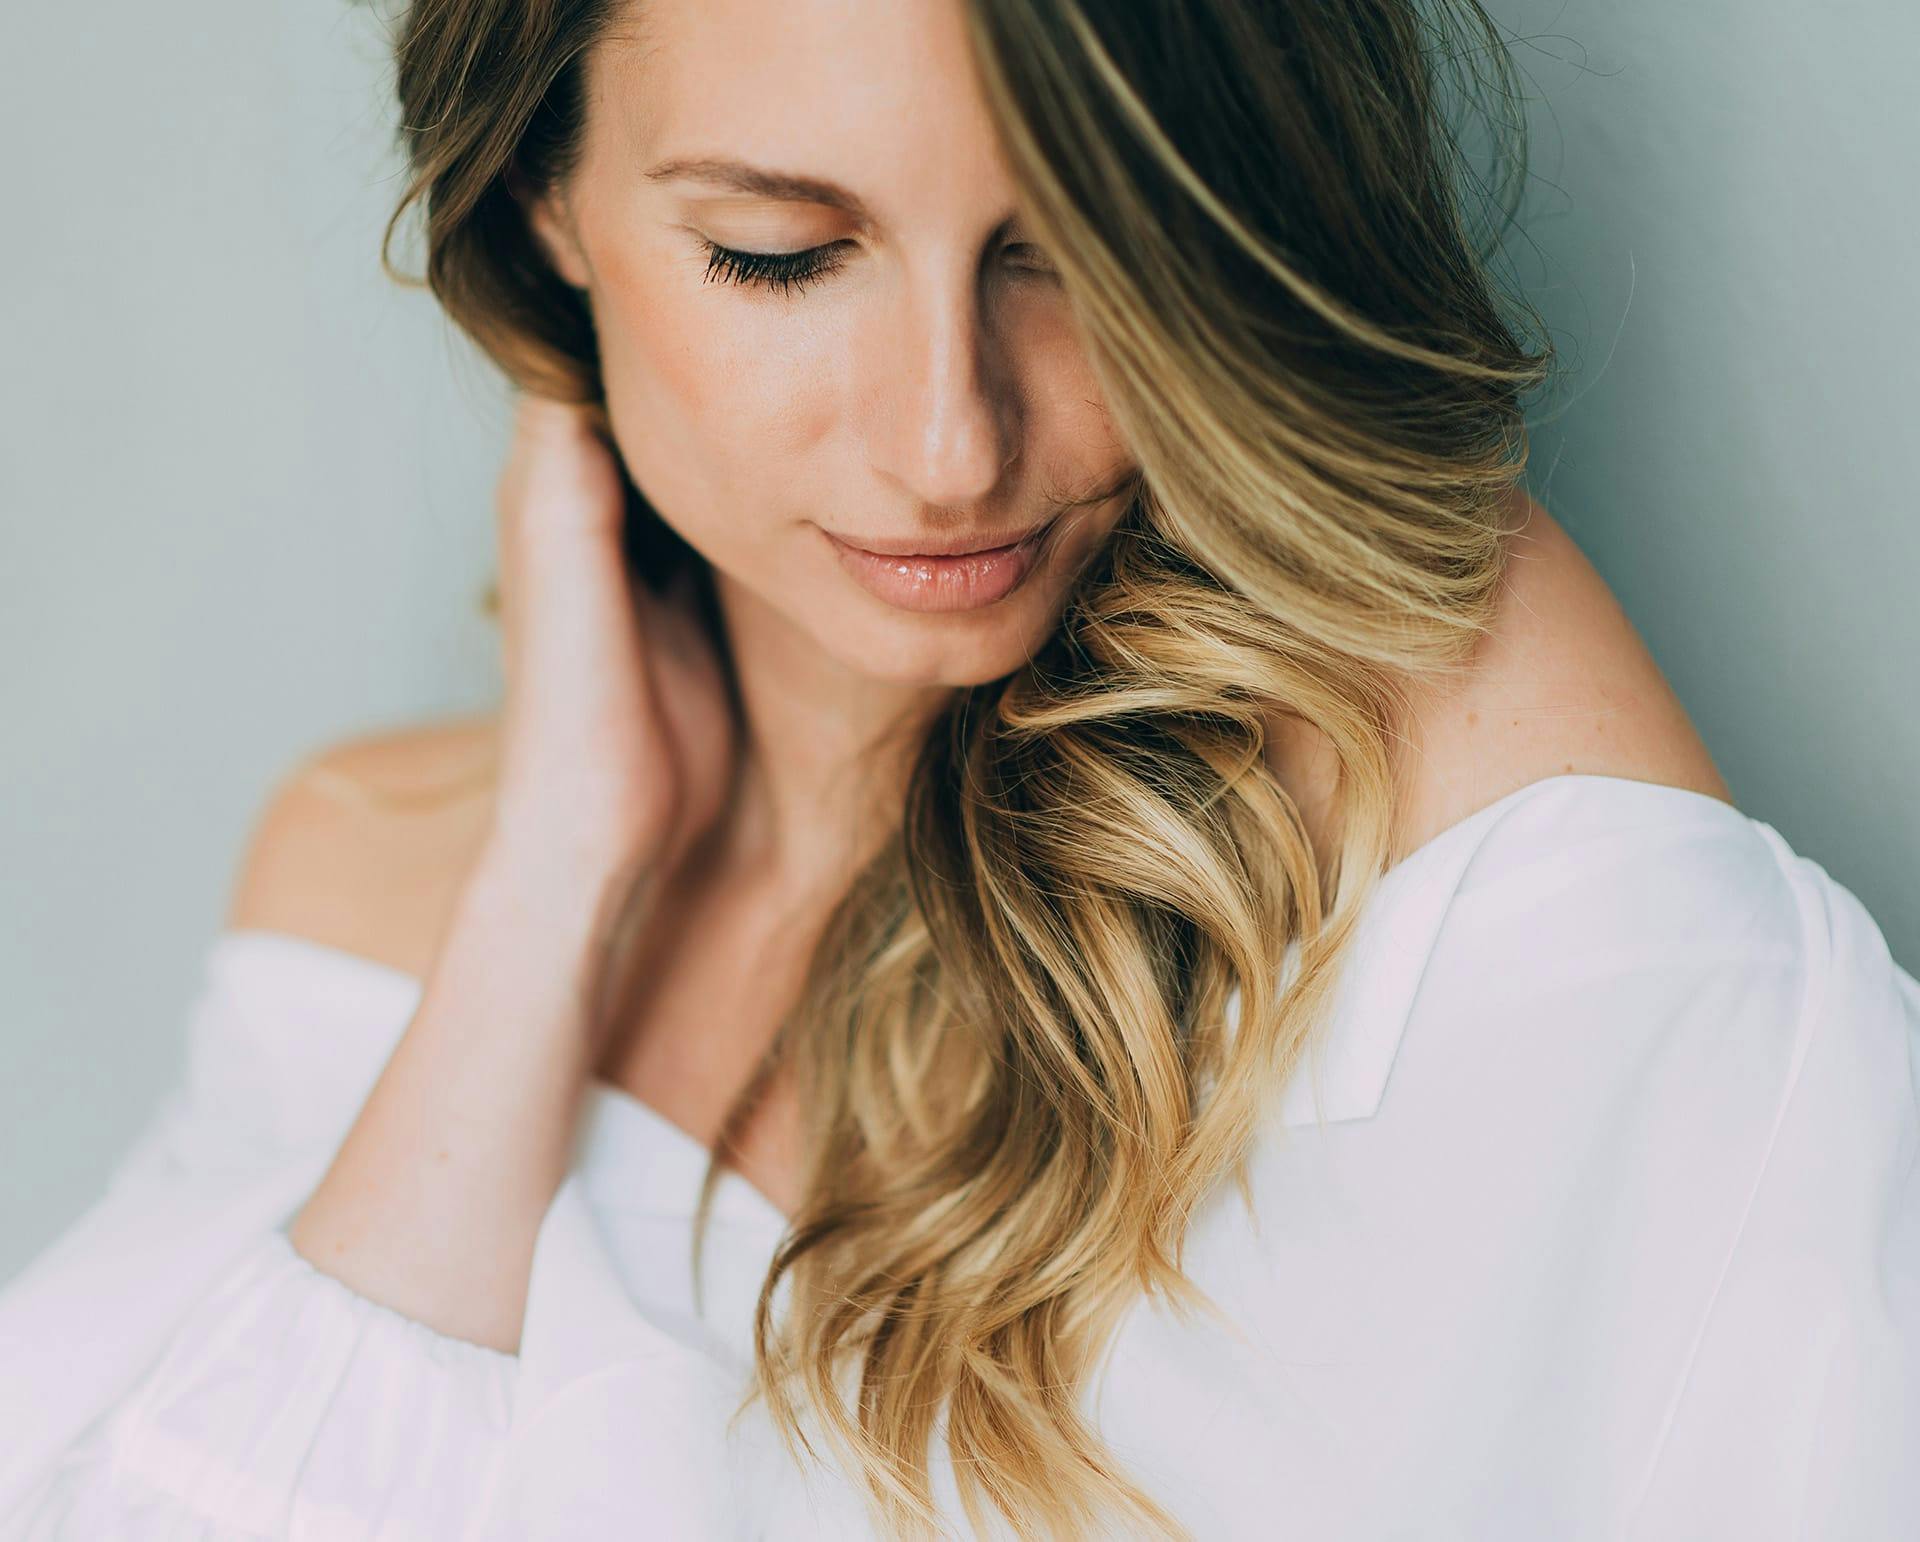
(364, 844)
(1563, 684)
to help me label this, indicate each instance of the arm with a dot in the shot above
(172, 1364)
(262, 1372)
(432, 1204)
(616, 750)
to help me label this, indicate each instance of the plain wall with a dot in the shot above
(245, 491)
(1720, 230)
(245, 510)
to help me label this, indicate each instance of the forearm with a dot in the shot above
(434, 1200)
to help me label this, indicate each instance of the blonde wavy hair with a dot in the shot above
(1021, 1054)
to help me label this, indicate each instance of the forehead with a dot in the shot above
(877, 95)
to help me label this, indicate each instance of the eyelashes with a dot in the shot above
(791, 272)
(787, 272)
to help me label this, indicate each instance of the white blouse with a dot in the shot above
(1612, 1230)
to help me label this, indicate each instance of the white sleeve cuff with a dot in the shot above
(286, 1404)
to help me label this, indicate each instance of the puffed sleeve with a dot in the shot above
(1799, 1411)
(174, 1368)
(286, 1405)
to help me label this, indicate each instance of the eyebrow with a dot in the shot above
(760, 182)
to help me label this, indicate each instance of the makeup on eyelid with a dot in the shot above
(792, 270)
(780, 270)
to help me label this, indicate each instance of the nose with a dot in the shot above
(945, 413)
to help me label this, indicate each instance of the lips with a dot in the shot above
(953, 579)
(940, 546)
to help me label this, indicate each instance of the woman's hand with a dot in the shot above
(617, 753)
(619, 742)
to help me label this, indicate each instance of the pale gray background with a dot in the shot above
(245, 482)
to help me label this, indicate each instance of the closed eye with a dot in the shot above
(1035, 255)
(784, 271)
(790, 272)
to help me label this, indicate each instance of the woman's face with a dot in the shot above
(913, 382)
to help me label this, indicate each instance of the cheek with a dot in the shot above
(708, 396)
(1085, 457)
(1067, 411)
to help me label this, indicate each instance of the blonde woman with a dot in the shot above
(1079, 918)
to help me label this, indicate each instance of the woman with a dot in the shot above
(1096, 720)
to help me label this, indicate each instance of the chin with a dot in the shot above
(935, 651)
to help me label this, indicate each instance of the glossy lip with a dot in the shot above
(935, 546)
(941, 581)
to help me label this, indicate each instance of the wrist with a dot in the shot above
(567, 886)
(547, 923)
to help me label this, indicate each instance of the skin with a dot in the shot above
(932, 383)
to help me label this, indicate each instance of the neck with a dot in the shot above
(825, 752)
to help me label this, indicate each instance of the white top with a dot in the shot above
(1613, 1231)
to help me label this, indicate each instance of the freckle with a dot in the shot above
(1472, 719)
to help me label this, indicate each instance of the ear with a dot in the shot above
(550, 220)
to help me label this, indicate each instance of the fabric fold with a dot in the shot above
(288, 1405)
(1799, 1412)
(1616, 1221)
